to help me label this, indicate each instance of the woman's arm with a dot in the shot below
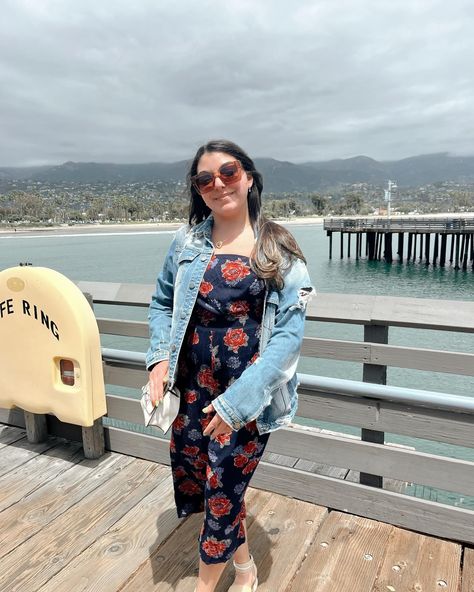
(246, 398)
(160, 312)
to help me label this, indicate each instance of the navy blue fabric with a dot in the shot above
(222, 340)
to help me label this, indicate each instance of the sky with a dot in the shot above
(309, 80)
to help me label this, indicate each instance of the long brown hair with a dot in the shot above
(275, 247)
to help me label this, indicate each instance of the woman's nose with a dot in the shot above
(218, 183)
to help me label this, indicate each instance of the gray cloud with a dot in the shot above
(145, 81)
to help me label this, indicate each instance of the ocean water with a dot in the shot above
(136, 257)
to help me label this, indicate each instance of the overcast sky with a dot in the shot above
(150, 80)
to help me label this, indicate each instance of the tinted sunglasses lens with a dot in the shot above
(203, 182)
(229, 172)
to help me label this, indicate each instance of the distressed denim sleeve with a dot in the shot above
(160, 312)
(246, 398)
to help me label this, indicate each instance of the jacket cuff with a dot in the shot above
(227, 414)
(155, 357)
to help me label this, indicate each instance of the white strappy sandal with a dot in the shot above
(244, 568)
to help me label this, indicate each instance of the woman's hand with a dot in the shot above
(158, 378)
(217, 425)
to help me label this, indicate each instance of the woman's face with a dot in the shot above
(223, 200)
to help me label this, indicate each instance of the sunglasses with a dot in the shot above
(228, 173)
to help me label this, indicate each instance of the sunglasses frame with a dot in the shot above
(210, 186)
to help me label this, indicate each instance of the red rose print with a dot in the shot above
(206, 380)
(240, 460)
(239, 308)
(206, 316)
(219, 505)
(234, 271)
(223, 439)
(250, 467)
(179, 473)
(188, 487)
(250, 447)
(190, 450)
(199, 476)
(190, 396)
(214, 548)
(235, 338)
(213, 479)
(205, 288)
(172, 443)
(198, 464)
(179, 422)
(195, 338)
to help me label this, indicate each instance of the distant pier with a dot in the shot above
(430, 240)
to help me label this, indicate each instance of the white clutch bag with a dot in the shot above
(165, 413)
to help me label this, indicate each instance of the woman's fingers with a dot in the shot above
(158, 377)
(216, 426)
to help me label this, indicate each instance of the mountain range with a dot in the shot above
(279, 176)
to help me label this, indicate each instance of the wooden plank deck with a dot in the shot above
(71, 524)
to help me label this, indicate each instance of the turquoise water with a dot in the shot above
(137, 257)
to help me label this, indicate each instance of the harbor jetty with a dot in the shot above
(432, 240)
(328, 512)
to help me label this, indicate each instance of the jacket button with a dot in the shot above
(183, 315)
(203, 257)
(192, 286)
(173, 347)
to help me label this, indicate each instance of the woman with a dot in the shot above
(226, 325)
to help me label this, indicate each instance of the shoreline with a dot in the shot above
(127, 227)
(124, 227)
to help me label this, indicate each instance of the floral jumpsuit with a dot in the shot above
(222, 340)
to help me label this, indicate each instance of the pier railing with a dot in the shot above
(399, 224)
(371, 405)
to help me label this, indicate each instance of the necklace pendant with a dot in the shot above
(219, 244)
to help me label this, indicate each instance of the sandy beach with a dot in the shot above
(120, 227)
(128, 227)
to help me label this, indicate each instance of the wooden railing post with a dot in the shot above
(377, 375)
(93, 441)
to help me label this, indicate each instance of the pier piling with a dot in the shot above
(379, 234)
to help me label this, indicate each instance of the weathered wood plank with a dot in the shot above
(10, 434)
(117, 293)
(49, 550)
(119, 552)
(20, 452)
(401, 510)
(284, 525)
(129, 377)
(451, 315)
(124, 328)
(406, 420)
(468, 570)
(425, 313)
(345, 555)
(389, 355)
(389, 461)
(174, 565)
(415, 562)
(38, 509)
(19, 482)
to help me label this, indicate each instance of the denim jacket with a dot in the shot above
(266, 390)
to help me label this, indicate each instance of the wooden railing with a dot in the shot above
(395, 224)
(371, 405)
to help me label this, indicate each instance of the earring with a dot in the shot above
(250, 189)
